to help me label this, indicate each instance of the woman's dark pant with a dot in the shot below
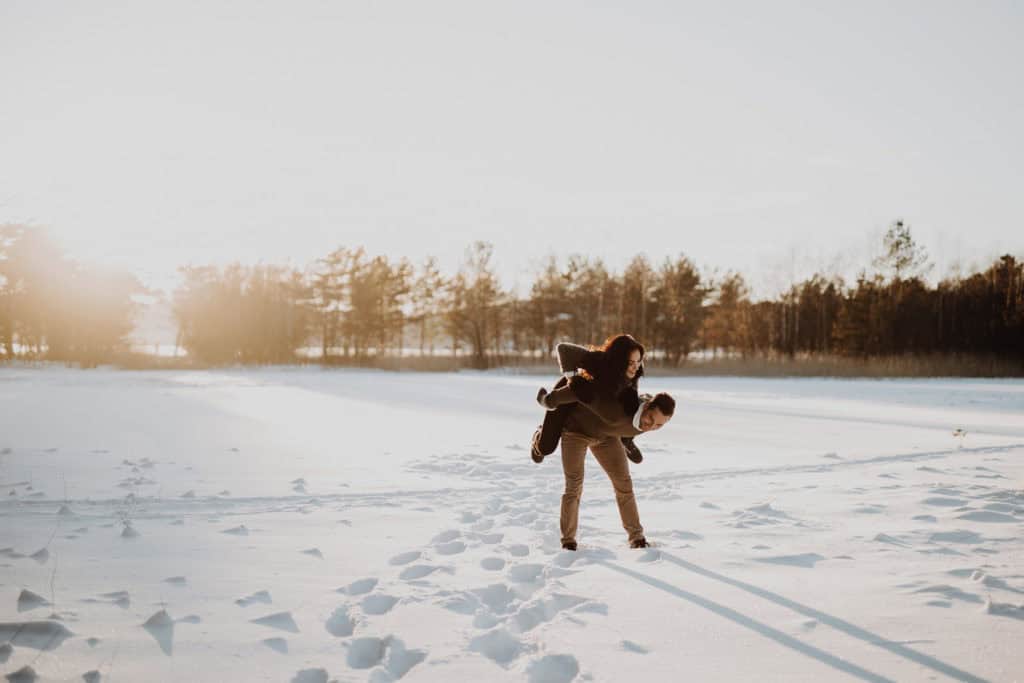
(546, 438)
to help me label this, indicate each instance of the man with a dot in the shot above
(599, 426)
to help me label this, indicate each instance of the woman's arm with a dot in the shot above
(572, 357)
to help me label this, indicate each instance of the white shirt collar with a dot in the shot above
(639, 413)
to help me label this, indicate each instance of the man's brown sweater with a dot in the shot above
(600, 418)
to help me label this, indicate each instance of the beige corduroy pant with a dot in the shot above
(611, 455)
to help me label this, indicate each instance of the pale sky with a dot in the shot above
(769, 137)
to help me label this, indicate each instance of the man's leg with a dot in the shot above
(611, 456)
(574, 451)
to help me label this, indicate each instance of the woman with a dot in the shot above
(611, 371)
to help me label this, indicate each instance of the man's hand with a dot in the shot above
(632, 452)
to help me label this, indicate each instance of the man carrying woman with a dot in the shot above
(598, 408)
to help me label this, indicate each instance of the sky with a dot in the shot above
(771, 138)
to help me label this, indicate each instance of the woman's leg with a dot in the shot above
(559, 396)
(551, 430)
(545, 438)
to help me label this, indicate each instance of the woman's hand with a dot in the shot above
(584, 388)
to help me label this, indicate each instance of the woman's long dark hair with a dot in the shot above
(615, 352)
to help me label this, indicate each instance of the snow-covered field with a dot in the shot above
(311, 525)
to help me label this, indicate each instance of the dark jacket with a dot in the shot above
(573, 357)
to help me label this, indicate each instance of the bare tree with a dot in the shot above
(426, 296)
(474, 302)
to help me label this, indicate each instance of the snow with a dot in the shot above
(304, 524)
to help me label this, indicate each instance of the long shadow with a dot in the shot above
(832, 466)
(754, 625)
(836, 623)
(918, 424)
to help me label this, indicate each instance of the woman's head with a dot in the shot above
(624, 358)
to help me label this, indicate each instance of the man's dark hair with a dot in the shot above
(665, 403)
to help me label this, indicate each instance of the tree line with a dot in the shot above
(52, 307)
(357, 308)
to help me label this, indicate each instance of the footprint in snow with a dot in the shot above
(417, 571)
(310, 676)
(649, 555)
(276, 644)
(553, 669)
(359, 587)
(630, 646)
(340, 624)
(499, 646)
(453, 548)
(526, 573)
(257, 597)
(279, 620)
(518, 550)
(405, 558)
(378, 604)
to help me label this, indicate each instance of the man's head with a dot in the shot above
(657, 412)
